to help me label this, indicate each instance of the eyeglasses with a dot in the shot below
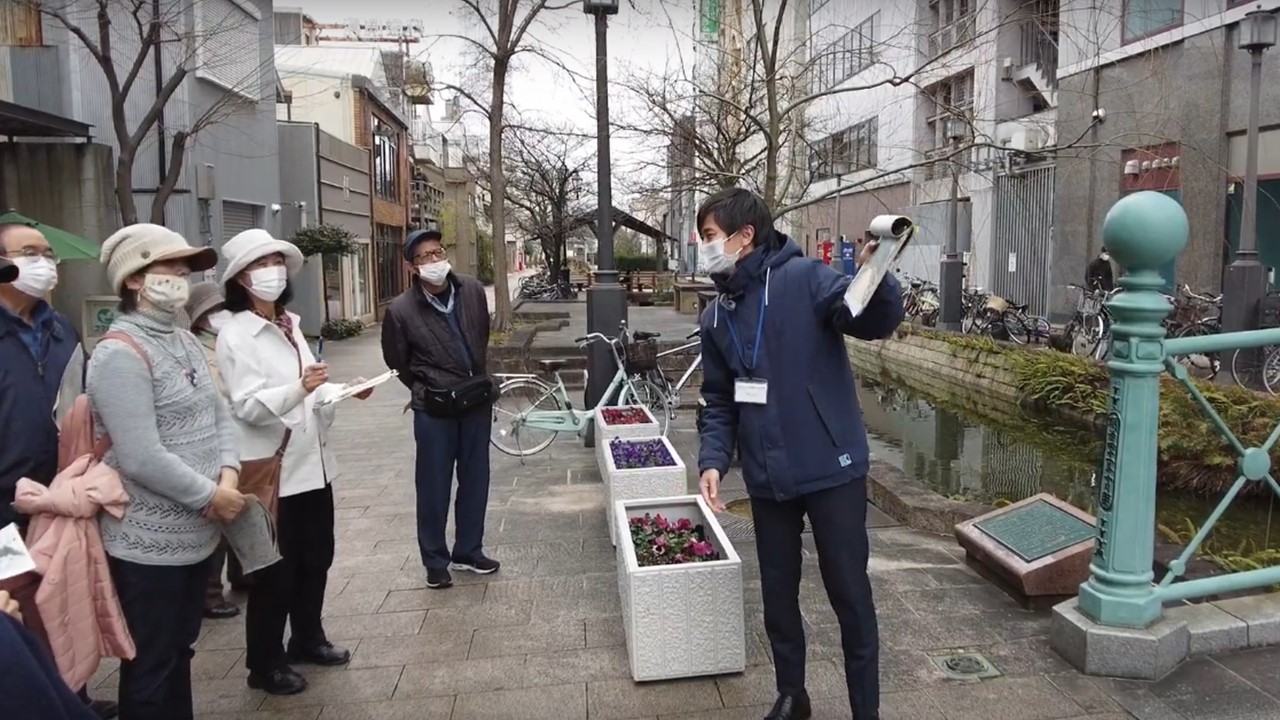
(31, 253)
(430, 256)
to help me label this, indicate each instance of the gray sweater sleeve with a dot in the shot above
(228, 452)
(120, 388)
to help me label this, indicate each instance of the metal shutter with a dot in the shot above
(236, 218)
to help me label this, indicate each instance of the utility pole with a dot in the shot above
(951, 273)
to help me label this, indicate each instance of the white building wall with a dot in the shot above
(314, 101)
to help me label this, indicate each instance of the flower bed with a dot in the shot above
(611, 425)
(682, 608)
(639, 468)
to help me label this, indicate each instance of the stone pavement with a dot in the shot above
(542, 639)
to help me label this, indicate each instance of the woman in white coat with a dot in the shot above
(274, 382)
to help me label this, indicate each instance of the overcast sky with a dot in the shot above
(644, 35)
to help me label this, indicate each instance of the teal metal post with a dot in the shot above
(1143, 232)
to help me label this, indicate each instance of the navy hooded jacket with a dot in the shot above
(808, 436)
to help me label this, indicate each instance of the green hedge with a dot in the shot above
(636, 263)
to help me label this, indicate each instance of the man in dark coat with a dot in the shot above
(1099, 275)
(778, 387)
(436, 336)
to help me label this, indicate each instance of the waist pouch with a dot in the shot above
(457, 401)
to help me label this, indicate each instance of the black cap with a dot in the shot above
(8, 271)
(418, 236)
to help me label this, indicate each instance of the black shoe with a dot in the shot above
(791, 707)
(104, 709)
(479, 565)
(439, 579)
(222, 610)
(325, 654)
(281, 681)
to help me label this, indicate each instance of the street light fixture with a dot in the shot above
(606, 299)
(951, 273)
(1245, 279)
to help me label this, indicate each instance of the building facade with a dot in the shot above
(346, 92)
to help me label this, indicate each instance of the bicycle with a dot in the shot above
(1089, 330)
(660, 378)
(553, 412)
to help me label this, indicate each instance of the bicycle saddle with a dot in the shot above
(553, 364)
(642, 335)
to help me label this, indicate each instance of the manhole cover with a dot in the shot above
(965, 666)
(736, 519)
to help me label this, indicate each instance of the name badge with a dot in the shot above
(749, 391)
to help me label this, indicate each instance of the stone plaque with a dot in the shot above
(1039, 547)
(1036, 530)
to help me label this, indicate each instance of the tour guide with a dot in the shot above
(777, 383)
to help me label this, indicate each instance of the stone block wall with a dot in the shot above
(939, 367)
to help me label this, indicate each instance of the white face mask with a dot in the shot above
(1106, 256)
(167, 292)
(269, 282)
(36, 276)
(217, 321)
(436, 272)
(713, 259)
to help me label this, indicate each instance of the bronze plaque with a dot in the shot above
(1036, 530)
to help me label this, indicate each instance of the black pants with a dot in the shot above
(442, 445)
(838, 516)
(163, 607)
(292, 589)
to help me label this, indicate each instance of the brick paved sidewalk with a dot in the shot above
(542, 639)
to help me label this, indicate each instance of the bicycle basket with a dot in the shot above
(642, 356)
(997, 303)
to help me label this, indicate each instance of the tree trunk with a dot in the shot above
(498, 201)
(173, 171)
(124, 188)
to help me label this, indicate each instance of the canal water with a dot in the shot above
(964, 457)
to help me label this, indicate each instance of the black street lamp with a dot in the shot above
(606, 299)
(1245, 279)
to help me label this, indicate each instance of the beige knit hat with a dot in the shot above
(131, 249)
(205, 296)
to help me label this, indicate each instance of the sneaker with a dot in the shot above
(479, 565)
(438, 579)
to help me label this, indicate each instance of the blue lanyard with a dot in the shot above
(737, 342)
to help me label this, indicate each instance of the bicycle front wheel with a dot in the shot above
(516, 400)
(649, 394)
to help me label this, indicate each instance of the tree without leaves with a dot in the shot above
(124, 38)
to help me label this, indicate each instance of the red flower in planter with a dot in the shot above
(659, 541)
(624, 416)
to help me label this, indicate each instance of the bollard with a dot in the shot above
(1143, 232)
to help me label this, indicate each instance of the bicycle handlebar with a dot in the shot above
(694, 334)
(1186, 290)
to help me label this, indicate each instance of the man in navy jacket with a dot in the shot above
(778, 387)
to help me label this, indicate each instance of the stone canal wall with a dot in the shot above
(938, 366)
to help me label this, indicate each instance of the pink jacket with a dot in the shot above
(77, 601)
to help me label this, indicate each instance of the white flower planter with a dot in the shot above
(680, 620)
(639, 483)
(606, 432)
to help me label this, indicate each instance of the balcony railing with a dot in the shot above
(1039, 47)
(952, 35)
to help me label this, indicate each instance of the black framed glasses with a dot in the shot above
(430, 256)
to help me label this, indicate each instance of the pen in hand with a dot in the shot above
(320, 350)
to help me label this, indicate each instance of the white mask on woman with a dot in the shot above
(167, 292)
(37, 276)
(435, 272)
(269, 282)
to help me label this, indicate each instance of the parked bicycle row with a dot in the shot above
(542, 287)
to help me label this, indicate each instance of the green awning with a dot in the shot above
(66, 245)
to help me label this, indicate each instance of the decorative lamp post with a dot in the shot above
(1245, 279)
(606, 299)
(951, 274)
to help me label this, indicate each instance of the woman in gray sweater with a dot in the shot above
(175, 447)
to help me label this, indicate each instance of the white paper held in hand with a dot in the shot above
(868, 277)
(14, 558)
(351, 390)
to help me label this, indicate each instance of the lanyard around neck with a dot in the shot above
(737, 341)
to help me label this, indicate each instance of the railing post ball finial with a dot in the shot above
(1145, 230)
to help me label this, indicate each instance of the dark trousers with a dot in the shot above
(443, 444)
(291, 590)
(838, 516)
(163, 607)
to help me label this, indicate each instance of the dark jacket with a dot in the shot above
(419, 344)
(809, 435)
(1099, 276)
(30, 687)
(28, 396)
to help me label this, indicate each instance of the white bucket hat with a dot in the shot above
(249, 246)
(132, 248)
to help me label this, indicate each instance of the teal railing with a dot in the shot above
(1144, 232)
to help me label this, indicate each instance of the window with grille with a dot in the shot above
(953, 25)
(849, 55)
(950, 98)
(228, 47)
(1148, 17)
(390, 263)
(850, 150)
(385, 161)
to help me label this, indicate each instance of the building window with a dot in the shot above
(391, 274)
(953, 25)
(228, 49)
(950, 98)
(386, 162)
(849, 55)
(1143, 18)
(849, 150)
